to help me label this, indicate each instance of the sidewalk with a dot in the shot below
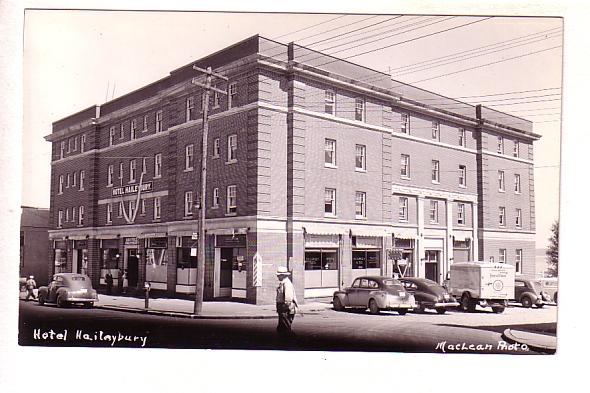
(535, 341)
(184, 308)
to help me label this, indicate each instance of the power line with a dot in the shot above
(339, 27)
(352, 31)
(309, 27)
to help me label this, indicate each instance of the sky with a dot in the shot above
(75, 59)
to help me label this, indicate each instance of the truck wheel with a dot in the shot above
(526, 302)
(467, 305)
(373, 308)
(337, 304)
(498, 309)
(402, 311)
(440, 310)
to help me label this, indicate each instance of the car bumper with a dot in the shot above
(446, 305)
(81, 299)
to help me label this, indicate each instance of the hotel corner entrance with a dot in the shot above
(230, 266)
(431, 265)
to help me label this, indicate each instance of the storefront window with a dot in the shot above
(366, 259)
(156, 256)
(184, 260)
(60, 260)
(109, 258)
(321, 260)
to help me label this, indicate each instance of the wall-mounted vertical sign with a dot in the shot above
(257, 270)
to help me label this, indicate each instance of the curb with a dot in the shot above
(511, 338)
(181, 314)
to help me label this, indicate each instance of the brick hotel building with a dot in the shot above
(314, 163)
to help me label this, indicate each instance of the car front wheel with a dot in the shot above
(41, 299)
(526, 302)
(337, 304)
(61, 302)
(498, 309)
(373, 307)
(441, 310)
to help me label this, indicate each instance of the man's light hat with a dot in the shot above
(282, 270)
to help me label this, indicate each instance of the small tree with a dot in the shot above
(553, 250)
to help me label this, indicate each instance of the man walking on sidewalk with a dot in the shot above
(286, 301)
(109, 281)
(31, 285)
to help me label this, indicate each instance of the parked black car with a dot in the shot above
(529, 292)
(429, 294)
(68, 288)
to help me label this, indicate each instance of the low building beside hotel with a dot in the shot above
(314, 163)
(34, 244)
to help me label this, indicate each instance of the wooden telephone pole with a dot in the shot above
(202, 206)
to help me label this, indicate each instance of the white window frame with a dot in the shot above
(62, 149)
(60, 218)
(69, 145)
(157, 208)
(462, 176)
(189, 157)
(232, 148)
(216, 101)
(60, 189)
(500, 149)
(158, 166)
(131, 208)
(73, 214)
(232, 94)
(216, 148)
(462, 137)
(112, 136)
(435, 171)
(74, 179)
(359, 109)
(332, 199)
(133, 129)
(188, 203)
(517, 189)
(330, 147)
(145, 123)
(190, 107)
(405, 123)
(501, 181)
(460, 214)
(110, 172)
(516, 150)
(82, 179)
(80, 215)
(215, 198)
(144, 165)
(121, 171)
(518, 260)
(82, 143)
(502, 216)
(232, 199)
(75, 143)
(142, 210)
(518, 218)
(109, 213)
(120, 209)
(67, 214)
(436, 130)
(360, 201)
(159, 121)
(502, 255)
(360, 152)
(433, 213)
(330, 102)
(403, 209)
(67, 180)
(122, 131)
(405, 166)
(132, 171)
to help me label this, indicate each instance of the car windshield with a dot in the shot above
(77, 282)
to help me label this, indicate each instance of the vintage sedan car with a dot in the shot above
(375, 293)
(529, 292)
(549, 285)
(68, 288)
(429, 294)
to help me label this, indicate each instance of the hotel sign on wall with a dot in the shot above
(132, 189)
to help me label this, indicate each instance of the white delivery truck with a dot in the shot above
(485, 283)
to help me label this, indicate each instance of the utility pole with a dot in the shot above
(202, 206)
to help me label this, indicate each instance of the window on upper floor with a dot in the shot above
(144, 165)
(112, 136)
(159, 125)
(190, 108)
(68, 214)
(60, 189)
(109, 213)
(62, 149)
(69, 145)
(73, 214)
(360, 205)
(158, 165)
(330, 202)
(188, 157)
(188, 203)
(110, 173)
(232, 96)
(133, 129)
(68, 180)
(120, 209)
(132, 170)
(131, 208)
(76, 143)
(518, 260)
(145, 123)
(405, 166)
(82, 178)
(216, 148)
(436, 130)
(516, 151)
(462, 176)
(216, 101)
(121, 172)
(359, 109)
(435, 171)
(517, 183)
(405, 123)
(122, 131)
(518, 217)
(215, 198)
(60, 218)
(157, 208)
(82, 143)
(361, 158)
(81, 216)
(501, 182)
(433, 212)
(500, 149)
(330, 153)
(403, 209)
(329, 102)
(502, 216)
(502, 255)
(461, 214)
(142, 209)
(232, 148)
(462, 137)
(74, 178)
(232, 200)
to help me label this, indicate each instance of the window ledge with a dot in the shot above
(330, 215)
(403, 220)
(214, 207)
(330, 166)
(188, 217)
(362, 218)
(157, 220)
(231, 162)
(405, 178)
(502, 191)
(360, 170)
(158, 177)
(189, 170)
(109, 185)
(215, 156)
(462, 186)
(231, 214)
(435, 182)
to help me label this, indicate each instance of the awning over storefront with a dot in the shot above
(322, 230)
(405, 233)
(368, 232)
(461, 236)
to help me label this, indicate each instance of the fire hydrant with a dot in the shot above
(146, 287)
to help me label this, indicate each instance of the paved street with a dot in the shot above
(323, 330)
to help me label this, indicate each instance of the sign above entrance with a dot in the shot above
(131, 241)
(132, 189)
(230, 241)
